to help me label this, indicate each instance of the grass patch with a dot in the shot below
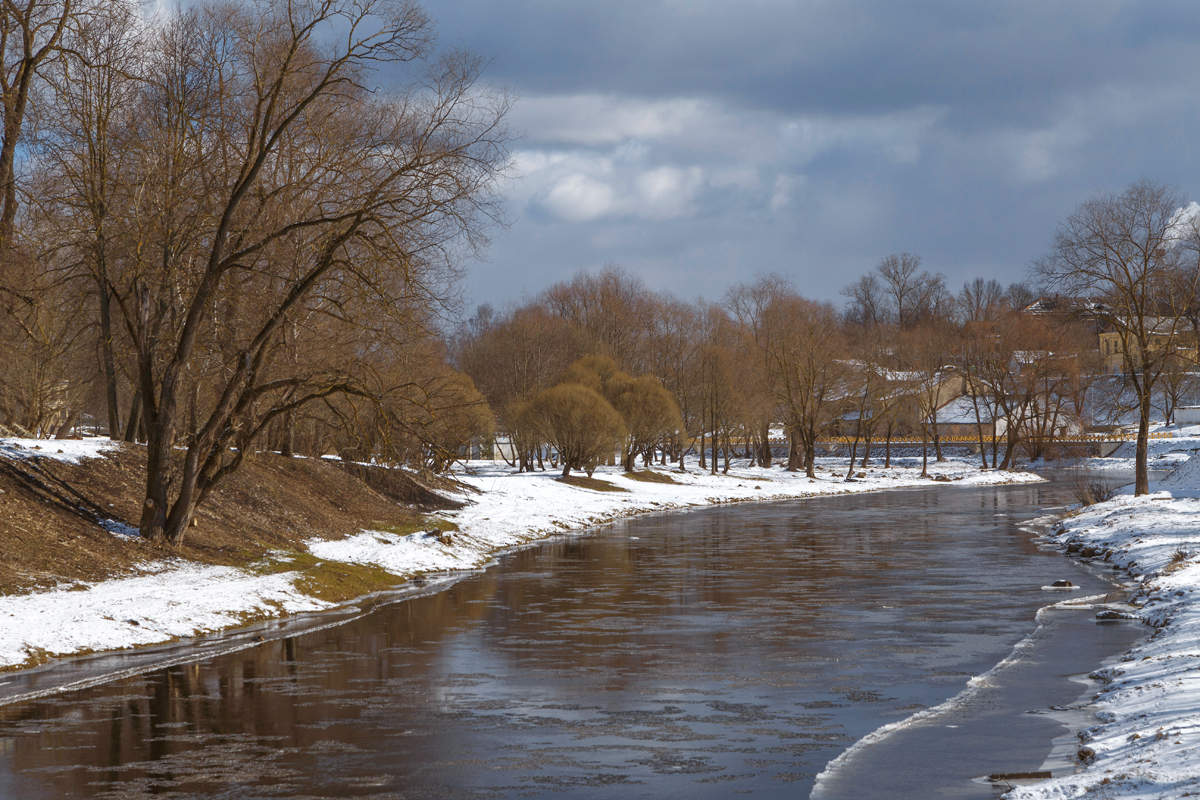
(646, 476)
(419, 524)
(594, 484)
(338, 581)
(1178, 561)
(332, 581)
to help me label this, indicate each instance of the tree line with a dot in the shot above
(767, 361)
(1022, 360)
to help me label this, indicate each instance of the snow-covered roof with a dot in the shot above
(961, 411)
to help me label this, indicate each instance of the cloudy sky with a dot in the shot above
(699, 143)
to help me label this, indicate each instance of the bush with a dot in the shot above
(578, 422)
(1090, 490)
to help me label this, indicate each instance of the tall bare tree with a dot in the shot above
(272, 188)
(31, 34)
(1133, 254)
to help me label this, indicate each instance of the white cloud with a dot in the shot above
(667, 192)
(579, 198)
(594, 156)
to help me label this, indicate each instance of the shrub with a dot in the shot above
(1090, 490)
(578, 422)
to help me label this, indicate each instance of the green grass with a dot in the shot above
(591, 483)
(646, 476)
(337, 581)
(423, 522)
(332, 581)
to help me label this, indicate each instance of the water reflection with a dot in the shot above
(724, 651)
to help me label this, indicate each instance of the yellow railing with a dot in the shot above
(1080, 438)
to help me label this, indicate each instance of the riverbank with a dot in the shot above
(1146, 744)
(165, 599)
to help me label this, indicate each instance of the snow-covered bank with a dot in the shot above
(1147, 743)
(171, 600)
(514, 509)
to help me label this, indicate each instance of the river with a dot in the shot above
(723, 652)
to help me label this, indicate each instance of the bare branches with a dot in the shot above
(1132, 257)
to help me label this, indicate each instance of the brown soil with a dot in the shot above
(647, 476)
(48, 512)
(594, 484)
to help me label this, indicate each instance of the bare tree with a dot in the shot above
(273, 188)
(980, 300)
(913, 296)
(868, 306)
(806, 349)
(749, 304)
(1131, 254)
(31, 33)
(94, 90)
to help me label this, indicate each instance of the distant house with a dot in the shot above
(957, 418)
(1113, 343)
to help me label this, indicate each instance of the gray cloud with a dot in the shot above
(700, 143)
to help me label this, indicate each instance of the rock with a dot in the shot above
(1005, 777)
(1062, 584)
(1086, 755)
(1109, 614)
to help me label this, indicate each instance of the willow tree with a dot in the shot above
(578, 422)
(1133, 256)
(269, 188)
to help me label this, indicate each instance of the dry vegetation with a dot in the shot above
(272, 504)
(595, 484)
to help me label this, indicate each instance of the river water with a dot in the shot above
(723, 652)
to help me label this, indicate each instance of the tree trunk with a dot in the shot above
(109, 365)
(853, 454)
(154, 508)
(793, 462)
(566, 468)
(924, 450)
(288, 444)
(1141, 480)
(135, 418)
(714, 441)
(979, 431)
(64, 430)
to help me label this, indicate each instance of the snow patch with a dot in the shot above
(71, 451)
